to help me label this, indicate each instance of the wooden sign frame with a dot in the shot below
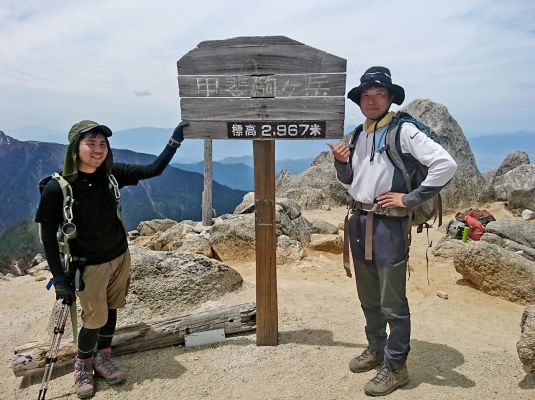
(262, 89)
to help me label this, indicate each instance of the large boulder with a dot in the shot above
(172, 281)
(288, 217)
(518, 187)
(526, 345)
(149, 228)
(464, 189)
(172, 237)
(514, 235)
(494, 178)
(233, 238)
(314, 187)
(497, 271)
(323, 227)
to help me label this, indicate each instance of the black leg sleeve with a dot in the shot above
(105, 334)
(87, 339)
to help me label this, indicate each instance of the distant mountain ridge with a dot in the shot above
(238, 172)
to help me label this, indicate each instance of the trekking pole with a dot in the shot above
(52, 354)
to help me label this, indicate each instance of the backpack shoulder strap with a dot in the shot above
(114, 188)
(68, 198)
(353, 140)
(403, 117)
(394, 152)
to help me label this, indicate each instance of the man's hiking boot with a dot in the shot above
(387, 380)
(366, 361)
(84, 384)
(107, 369)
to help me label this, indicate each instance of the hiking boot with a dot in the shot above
(107, 369)
(84, 385)
(367, 361)
(387, 380)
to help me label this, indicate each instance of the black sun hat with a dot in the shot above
(377, 77)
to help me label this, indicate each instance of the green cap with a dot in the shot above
(85, 126)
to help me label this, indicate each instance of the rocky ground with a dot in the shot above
(463, 347)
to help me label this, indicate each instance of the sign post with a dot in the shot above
(262, 89)
(207, 192)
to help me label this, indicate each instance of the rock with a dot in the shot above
(247, 204)
(495, 178)
(171, 238)
(341, 225)
(197, 244)
(497, 272)
(39, 278)
(326, 207)
(518, 187)
(442, 294)
(289, 206)
(37, 259)
(297, 228)
(149, 228)
(171, 281)
(528, 215)
(448, 248)
(328, 243)
(288, 250)
(314, 187)
(323, 227)
(133, 234)
(43, 266)
(512, 161)
(234, 238)
(512, 235)
(464, 189)
(526, 345)
(15, 268)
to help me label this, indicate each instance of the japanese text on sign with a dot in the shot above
(276, 130)
(263, 86)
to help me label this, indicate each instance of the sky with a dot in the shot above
(115, 61)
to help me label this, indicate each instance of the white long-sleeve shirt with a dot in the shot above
(366, 180)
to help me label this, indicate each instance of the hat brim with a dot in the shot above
(395, 90)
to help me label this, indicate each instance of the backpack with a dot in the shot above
(476, 219)
(431, 208)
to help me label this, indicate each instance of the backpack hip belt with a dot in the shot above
(395, 212)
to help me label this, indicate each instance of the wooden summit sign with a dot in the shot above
(261, 89)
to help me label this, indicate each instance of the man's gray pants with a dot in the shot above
(381, 284)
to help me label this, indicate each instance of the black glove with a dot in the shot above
(64, 292)
(178, 135)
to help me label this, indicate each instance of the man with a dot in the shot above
(374, 182)
(100, 240)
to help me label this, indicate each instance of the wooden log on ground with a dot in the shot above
(29, 358)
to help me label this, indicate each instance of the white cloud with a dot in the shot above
(61, 61)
